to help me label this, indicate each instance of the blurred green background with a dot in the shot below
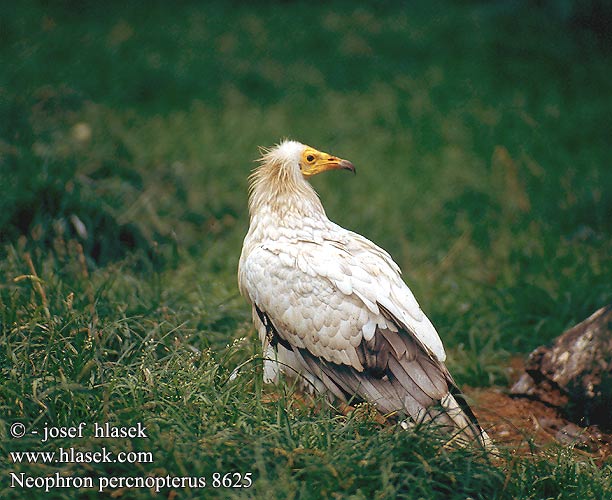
(480, 132)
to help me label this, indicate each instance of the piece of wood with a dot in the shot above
(575, 372)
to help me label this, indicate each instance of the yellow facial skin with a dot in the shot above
(314, 162)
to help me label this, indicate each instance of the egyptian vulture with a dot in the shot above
(331, 307)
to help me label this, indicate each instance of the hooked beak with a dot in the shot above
(314, 162)
(347, 165)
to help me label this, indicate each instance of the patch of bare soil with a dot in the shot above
(526, 426)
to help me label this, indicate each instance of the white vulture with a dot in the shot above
(331, 307)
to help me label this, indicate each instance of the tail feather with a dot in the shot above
(401, 397)
(464, 420)
(403, 379)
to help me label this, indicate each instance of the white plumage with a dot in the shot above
(331, 307)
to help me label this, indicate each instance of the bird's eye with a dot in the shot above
(310, 158)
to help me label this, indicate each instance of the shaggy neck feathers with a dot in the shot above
(277, 185)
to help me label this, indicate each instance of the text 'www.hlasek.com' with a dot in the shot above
(101, 455)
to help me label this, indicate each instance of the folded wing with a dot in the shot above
(337, 312)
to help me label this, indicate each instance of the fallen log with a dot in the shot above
(574, 373)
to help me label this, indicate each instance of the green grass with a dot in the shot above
(481, 138)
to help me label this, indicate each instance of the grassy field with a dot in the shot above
(481, 136)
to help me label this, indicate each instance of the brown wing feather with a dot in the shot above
(401, 377)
